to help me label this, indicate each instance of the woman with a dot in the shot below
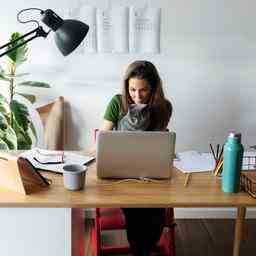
(142, 85)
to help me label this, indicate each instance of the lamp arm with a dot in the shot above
(39, 33)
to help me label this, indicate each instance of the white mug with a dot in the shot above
(74, 176)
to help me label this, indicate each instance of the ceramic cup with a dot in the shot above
(74, 176)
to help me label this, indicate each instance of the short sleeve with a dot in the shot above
(113, 110)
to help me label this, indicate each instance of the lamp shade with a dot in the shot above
(69, 35)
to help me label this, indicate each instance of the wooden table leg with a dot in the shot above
(78, 228)
(241, 211)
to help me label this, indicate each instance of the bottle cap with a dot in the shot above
(235, 135)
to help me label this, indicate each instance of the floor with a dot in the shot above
(198, 237)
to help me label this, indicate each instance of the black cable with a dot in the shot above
(35, 21)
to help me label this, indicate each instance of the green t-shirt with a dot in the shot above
(113, 112)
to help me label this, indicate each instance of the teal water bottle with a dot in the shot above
(232, 165)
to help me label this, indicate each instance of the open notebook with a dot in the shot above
(52, 160)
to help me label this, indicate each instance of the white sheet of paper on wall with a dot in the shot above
(144, 30)
(112, 29)
(87, 14)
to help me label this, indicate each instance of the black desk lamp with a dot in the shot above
(68, 33)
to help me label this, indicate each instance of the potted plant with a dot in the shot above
(16, 126)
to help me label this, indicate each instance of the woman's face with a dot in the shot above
(139, 90)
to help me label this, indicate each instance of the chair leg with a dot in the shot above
(96, 239)
(172, 241)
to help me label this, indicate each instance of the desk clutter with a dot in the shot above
(190, 162)
(52, 160)
(193, 161)
(20, 173)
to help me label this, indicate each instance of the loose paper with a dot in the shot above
(144, 33)
(193, 161)
(112, 29)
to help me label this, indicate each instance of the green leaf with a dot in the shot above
(10, 138)
(23, 139)
(19, 55)
(30, 97)
(3, 145)
(21, 114)
(28, 142)
(35, 84)
(3, 122)
(4, 107)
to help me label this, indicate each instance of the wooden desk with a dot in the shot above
(204, 190)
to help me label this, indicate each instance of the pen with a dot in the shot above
(217, 153)
(187, 179)
(221, 152)
(213, 152)
(59, 162)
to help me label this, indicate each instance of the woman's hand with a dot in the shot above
(107, 125)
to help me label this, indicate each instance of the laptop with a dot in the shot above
(136, 154)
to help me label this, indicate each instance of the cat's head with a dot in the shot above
(139, 114)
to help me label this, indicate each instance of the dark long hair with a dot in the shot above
(161, 108)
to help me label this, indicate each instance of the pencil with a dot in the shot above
(218, 168)
(221, 152)
(217, 153)
(213, 152)
(187, 179)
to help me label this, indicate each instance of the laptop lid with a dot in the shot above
(136, 154)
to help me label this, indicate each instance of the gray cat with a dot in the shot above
(136, 119)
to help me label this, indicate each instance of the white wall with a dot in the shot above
(207, 62)
(35, 231)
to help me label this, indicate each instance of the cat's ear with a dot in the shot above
(145, 107)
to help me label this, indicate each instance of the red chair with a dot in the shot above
(113, 219)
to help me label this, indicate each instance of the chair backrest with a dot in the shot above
(52, 116)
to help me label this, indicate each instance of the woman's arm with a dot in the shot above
(111, 114)
(107, 125)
